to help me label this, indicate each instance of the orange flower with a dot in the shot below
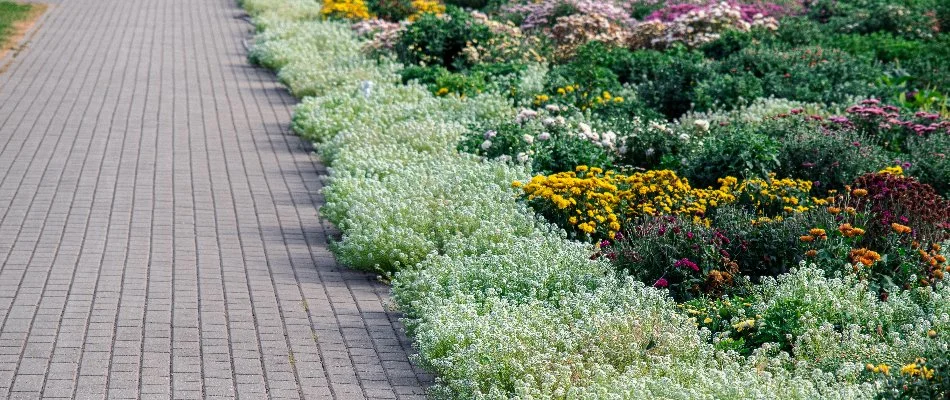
(834, 210)
(811, 253)
(859, 192)
(807, 238)
(864, 256)
(817, 232)
(901, 229)
(848, 231)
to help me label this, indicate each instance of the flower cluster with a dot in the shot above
(345, 9)
(694, 25)
(543, 14)
(898, 201)
(573, 31)
(500, 304)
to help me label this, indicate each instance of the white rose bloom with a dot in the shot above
(490, 134)
(544, 136)
(522, 158)
(528, 138)
(684, 137)
(504, 158)
(702, 124)
(552, 107)
(486, 145)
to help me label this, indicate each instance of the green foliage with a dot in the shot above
(809, 74)
(391, 10)
(831, 158)
(11, 13)
(732, 151)
(439, 40)
(930, 161)
(667, 80)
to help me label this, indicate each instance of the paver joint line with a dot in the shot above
(159, 233)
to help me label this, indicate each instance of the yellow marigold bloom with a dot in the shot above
(423, 7)
(901, 229)
(895, 170)
(442, 92)
(345, 9)
(561, 91)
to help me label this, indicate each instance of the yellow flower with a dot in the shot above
(895, 170)
(442, 92)
(743, 325)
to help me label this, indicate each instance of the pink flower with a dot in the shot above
(685, 262)
(661, 283)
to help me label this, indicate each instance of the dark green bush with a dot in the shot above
(930, 161)
(391, 10)
(438, 41)
(732, 151)
(667, 80)
(810, 74)
(831, 158)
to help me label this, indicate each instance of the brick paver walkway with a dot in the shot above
(158, 227)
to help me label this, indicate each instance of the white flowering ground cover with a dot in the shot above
(500, 303)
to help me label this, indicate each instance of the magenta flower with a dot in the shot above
(686, 263)
(661, 283)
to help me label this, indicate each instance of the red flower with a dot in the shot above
(661, 283)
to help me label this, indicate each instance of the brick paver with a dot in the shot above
(158, 227)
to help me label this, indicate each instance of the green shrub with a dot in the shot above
(439, 40)
(809, 74)
(731, 151)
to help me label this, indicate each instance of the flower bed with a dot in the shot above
(573, 223)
